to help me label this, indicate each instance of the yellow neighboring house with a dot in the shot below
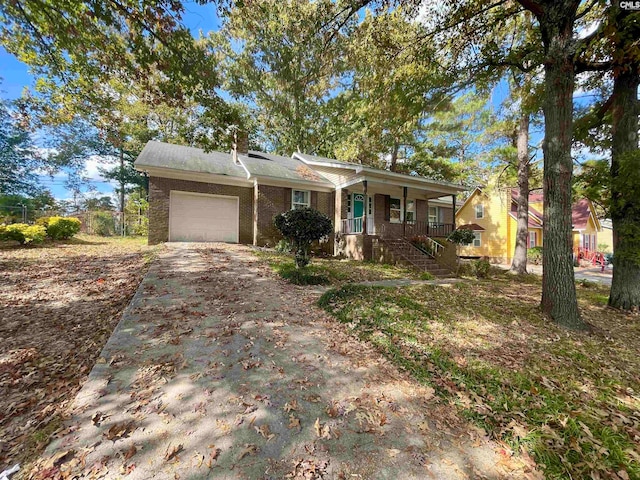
(492, 215)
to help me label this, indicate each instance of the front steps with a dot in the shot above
(406, 253)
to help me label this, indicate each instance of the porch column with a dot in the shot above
(454, 211)
(365, 208)
(404, 211)
(428, 226)
(337, 214)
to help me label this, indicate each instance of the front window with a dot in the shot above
(411, 212)
(395, 210)
(300, 199)
(479, 211)
(532, 239)
(477, 239)
(433, 215)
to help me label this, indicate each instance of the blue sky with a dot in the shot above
(15, 77)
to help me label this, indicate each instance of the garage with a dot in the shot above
(198, 217)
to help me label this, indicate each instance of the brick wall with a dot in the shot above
(275, 200)
(421, 210)
(271, 201)
(160, 188)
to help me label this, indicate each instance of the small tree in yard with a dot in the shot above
(461, 236)
(302, 227)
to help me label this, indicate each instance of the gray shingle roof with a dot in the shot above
(262, 164)
(179, 157)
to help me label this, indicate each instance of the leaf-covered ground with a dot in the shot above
(571, 400)
(220, 370)
(59, 304)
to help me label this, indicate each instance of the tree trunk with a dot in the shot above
(519, 263)
(625, 193)
(394, 157)
(558, 284)
(122, 186)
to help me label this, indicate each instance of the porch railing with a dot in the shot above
(396, 230)
(415, 229)
(354, 226)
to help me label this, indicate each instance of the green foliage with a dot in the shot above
(603, 247)
(302, 227)
(102, 224)
(540, 406)
(62, 228)
(19, 158)
(302, 276)
(283, 58)
(423, 244)
(461, 236)
(426, 276)
(534, 255)
(283, 246)
(481, 268)
(23, 233)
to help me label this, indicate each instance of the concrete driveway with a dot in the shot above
(220, 370)
(592, 274)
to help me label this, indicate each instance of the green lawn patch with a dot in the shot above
(333, 271)
(570, 399)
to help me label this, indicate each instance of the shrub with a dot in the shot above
(303, 276)
(481, 268)
(302, 227)
(461, 236)
(23, 233)
(283, 246)
(421, 242)
(534, 255)
(62, 228)
(44, 221)
(426, 276)
(103, 224)
(603, 247)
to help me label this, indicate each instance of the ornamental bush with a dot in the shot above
(461, 236)
(23, 233)
(481, 268)
(62, 228)
(302, 227)
(534, 255)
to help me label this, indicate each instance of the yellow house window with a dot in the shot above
(477, 239)
(533, 239)
(479, 211)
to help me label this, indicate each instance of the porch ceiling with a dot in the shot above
(396, 191)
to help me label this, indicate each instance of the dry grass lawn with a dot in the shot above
(571, 400)
(59, 303)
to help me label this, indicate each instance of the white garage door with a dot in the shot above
(195, 217)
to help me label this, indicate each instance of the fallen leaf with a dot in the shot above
(130, 453)
(120, 430)
(249, 449)
(294, 422)
(172, 452)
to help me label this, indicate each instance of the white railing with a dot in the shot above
(435, 247)
(354, 226)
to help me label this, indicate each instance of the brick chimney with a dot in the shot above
(240, 145)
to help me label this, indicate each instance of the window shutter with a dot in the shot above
(387, 208)
(287, 198)
(314, 200)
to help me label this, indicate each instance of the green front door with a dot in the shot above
(358, 205)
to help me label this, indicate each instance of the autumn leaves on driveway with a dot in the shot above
(219, 370)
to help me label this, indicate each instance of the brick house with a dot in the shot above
(232, 197)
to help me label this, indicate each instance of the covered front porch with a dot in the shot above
(385, 208)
